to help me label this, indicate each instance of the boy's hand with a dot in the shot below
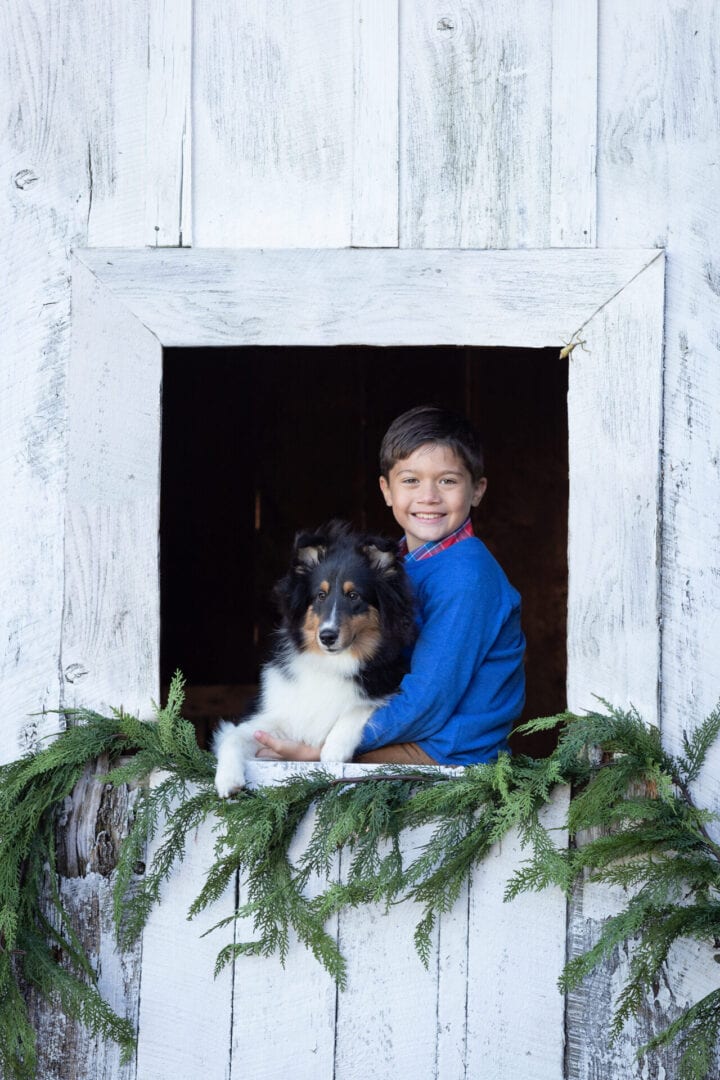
(284, 749)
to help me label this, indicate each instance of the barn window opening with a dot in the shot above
(260, 442)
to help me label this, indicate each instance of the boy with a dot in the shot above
(466, 685)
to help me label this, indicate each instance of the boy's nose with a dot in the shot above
(429, 495)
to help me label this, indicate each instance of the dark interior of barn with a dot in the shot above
(260, 442)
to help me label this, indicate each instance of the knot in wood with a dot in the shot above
(445, 23)
(25, 179)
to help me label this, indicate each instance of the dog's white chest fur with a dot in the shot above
(312, 698)
(305, 699)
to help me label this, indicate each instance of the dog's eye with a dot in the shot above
(321, 595)
(352, 595)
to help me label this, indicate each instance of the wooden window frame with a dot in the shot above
(129, 305)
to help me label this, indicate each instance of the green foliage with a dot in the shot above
(629, 795)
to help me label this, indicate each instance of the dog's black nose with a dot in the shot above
(328, 637)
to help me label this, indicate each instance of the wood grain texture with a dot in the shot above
(574, 123)
(658, 122)
(284, 1015)
(475, 124)
(111, 625)
(94, 822)
(185, 1015)
(683, 980)
(387, 1017)
(374, 197)
(273, 111)
(659, 147)
(516, 954)
(614, 421)
(72, 176)
(168, 201)
(220, 297)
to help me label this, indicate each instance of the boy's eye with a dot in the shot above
(448, 480)
(409, 480)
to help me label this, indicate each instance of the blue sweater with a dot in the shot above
(466, 685)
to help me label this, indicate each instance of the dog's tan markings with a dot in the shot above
(366, 630)
(325, 586)
(348, 587)
(311, 626)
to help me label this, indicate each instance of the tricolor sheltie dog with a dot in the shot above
(346, 619)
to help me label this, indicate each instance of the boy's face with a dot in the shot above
(430, 493)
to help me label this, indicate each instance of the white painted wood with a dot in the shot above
(68, 149)
(657, 162)
(283, 1017)
(100, 108)
(574, 123)
(388, 988)
(185, 1014)
(168, 203)
(224, 297)
(475, 140)
(273, 112)
(110, 648)
(659, 146)
(452, 991)
(614, 420)
(516, 953)
(375, 132)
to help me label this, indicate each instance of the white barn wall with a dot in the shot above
(135, 123)
(658, 179)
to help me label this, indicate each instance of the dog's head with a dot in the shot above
(347, 591)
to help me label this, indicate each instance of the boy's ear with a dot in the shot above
(478, 491)
(385, 488)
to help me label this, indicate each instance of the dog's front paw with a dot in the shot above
(338, 748)
(229, 778)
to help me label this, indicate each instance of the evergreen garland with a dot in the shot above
(653, 841)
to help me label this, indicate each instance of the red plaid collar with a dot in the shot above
(434, 547)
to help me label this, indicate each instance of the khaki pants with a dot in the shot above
(403, 753)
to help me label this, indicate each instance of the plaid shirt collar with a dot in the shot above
(434, 547)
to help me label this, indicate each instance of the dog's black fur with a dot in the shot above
(347, 620)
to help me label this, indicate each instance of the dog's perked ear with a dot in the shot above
(383, 555)
(309, 549)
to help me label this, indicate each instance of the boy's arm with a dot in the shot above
(456, 636)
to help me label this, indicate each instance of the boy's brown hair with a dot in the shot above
(432, 424)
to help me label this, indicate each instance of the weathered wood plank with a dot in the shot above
(111, 622)
(273, 109)
(185, 1014)
(516, 953)
(658, 120)
(590, 1054)
(658, 152)
(574, 123)
(501, 298)
(168, 203)
(283, 1015)
(94, 823)
(475, 142)
(375, 131)
(387, 1016)
(72, 177)
(614, 420)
